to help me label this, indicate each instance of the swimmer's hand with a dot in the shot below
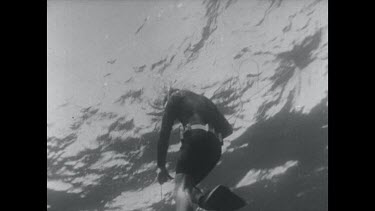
(163, 175)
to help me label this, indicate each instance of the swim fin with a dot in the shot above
(221, 198)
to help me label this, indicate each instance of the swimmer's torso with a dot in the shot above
(188, 107)
(191, 108)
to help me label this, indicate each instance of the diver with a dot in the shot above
(204, 129)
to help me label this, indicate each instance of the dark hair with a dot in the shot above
(168, 94)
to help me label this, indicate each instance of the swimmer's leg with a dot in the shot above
(185, 192)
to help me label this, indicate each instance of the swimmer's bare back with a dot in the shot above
(189, 107)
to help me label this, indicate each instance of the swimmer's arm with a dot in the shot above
(225, 128)
(219, 121)
(165, 131)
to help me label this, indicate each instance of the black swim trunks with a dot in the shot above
(199, 153)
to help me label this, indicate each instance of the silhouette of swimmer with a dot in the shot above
(204, 127)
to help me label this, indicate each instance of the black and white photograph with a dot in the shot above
(187, 105)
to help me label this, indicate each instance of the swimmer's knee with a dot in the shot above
(183, 194)
(183, 187)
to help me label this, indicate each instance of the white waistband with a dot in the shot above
(198, 126)
(205, 127)
(202, 127)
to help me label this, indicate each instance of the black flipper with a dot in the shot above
(221, 198)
